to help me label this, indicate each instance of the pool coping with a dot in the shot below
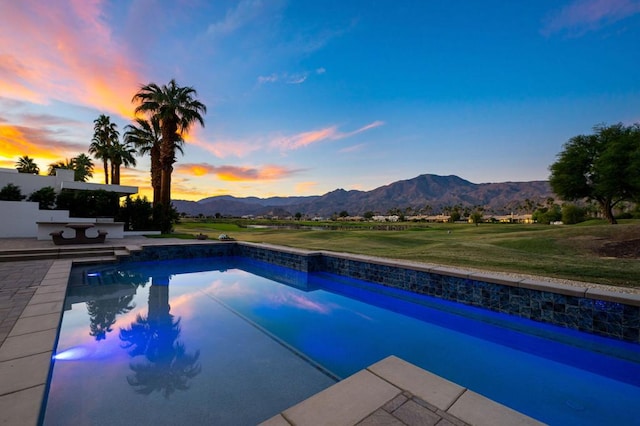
(25, 356)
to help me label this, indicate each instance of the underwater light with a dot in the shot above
(74, 353)
(93, 274)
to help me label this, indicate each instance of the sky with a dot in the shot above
(304, 96)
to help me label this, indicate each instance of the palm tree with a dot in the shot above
(121, 155)
(83, 167)
(105, 134)
(27, 165)
(146, 135)
(66, 164)
(177, 110)
(169, 367)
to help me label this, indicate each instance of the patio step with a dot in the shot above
(76, 252)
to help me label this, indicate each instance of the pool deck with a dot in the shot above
(390, 392)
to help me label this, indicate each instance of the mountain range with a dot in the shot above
(435, 191)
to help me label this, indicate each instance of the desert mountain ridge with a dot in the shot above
(427, 193)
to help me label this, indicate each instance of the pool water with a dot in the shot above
(235, 341)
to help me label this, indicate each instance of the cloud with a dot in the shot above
(236, 173)
(226, 148)
(42, 144)
(52, 51)
(582, 16)
(307, 138)
(288, 78)
(353, 148)
(245, 14)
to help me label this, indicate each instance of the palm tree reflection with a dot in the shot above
(168, 366)
(102, 314)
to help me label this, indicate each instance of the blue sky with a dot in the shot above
(305, 97)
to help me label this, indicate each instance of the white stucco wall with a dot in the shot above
(31, 183)
(18, 219)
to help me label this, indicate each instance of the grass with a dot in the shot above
(567, 252)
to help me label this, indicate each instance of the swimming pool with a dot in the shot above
(235, 341)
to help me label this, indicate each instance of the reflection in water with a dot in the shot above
(102, 313)
(168, 366)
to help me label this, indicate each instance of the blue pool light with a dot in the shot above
(74, 353)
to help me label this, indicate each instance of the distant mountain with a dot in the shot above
(425, 190)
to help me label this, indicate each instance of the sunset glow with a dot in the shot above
(304, 98)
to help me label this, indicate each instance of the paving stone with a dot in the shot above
(42, 309)
(414, 414)
(23, 373)
(478, 410)
(21, 408)
(427, 386)
(27, 344)
(395, 403)
(381, 418)
(351, 400)
(37, 323)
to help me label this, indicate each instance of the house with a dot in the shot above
(24, 219)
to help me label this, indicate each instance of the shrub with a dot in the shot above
(89, 203)
(11, 192)
(45, 197)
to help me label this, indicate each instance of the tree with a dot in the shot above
(27, 165)
(11, 192)
(45, 197)
(82, 167)
(65, 165)
(572, 214)
(603, 167)
(122, 154)
(105, 134)
(177, 110)
(146, 136)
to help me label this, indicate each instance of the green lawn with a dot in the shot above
(558, 251)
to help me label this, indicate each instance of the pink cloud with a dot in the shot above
(66, 52)
(582, 16)
(329, 133)
(236, 173)
(226, 148)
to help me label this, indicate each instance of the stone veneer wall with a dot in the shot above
(589, 314)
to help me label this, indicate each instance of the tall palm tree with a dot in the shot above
(27, 165)
(122, 154)
(177, 110)
(105, 134)
(146, 135)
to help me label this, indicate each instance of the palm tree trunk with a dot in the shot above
(156, 175)
(106, 172)
(116, 174)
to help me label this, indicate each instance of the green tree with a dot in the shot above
(146, 136)
(11, 192)
(27, 165)
(82, 167)
(176, 109)
(105, 134)
(66, 165)
(547, 215)
(603, 167)
(45, 197)
(572, 214)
